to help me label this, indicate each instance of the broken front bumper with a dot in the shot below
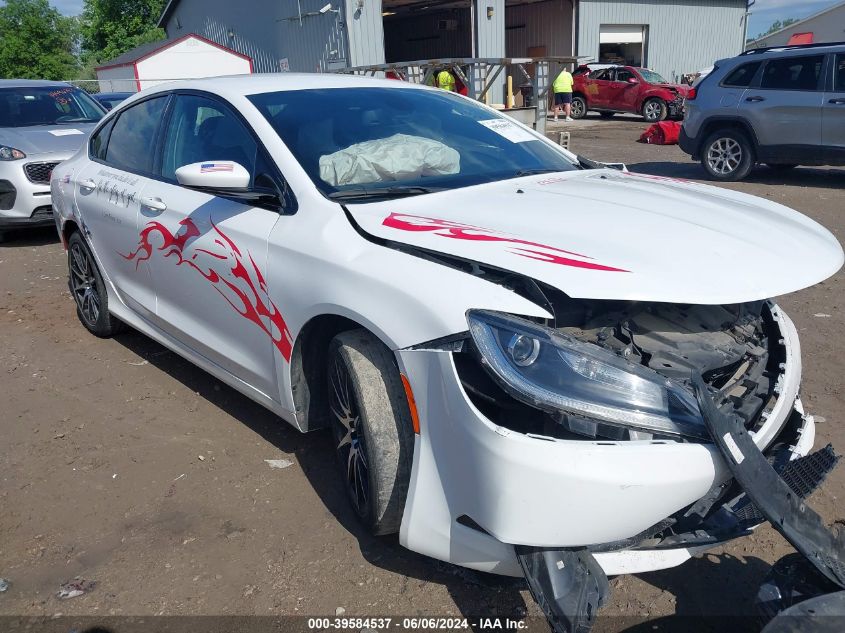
(477, 488)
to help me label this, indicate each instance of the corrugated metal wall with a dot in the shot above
(684, 36)
(411, 37)
(364, 24)
(490, 18)
(546, 24)
(270, 31)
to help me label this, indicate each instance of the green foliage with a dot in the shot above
(112, 27)
(36, 41)
(777, 25)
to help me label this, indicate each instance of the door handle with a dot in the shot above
(837, 101)
(87, 184)
(155, 204)
(755, 98)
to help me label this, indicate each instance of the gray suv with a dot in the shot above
(41, 124)
(780, 106)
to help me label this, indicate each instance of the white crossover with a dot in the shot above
(521, 353)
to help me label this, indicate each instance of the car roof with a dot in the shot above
(259, 83)
(782, 51)
(30, 83)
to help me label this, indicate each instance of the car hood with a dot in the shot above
(605, 234)
(44, 139)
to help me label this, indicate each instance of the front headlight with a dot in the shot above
(555, 372)
(10, 153)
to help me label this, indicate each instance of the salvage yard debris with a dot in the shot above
(278, 463)
(75, 587)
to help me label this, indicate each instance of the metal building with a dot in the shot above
(673, 37)
(827, 25)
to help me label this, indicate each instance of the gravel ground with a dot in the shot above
(125, 466)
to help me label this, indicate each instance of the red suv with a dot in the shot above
(627, 89)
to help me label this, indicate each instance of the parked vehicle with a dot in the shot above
(110, 99)
(41, 124)
(520, 354)
(780, 106)
(627, 89)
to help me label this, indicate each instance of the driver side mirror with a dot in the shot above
(633, 80)
(214, 176)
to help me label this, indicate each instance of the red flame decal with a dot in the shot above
(458, 231)
(248, 298)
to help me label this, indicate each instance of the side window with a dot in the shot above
(100, 141)
(203, 129)
(624, 75)
(839, 73)
(741, 77)
(129, 144)
(602, 73)
(793, 73)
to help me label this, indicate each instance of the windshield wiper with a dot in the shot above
(77, 120)
(386, 193)
(534, 172)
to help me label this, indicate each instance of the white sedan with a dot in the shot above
(521, 354)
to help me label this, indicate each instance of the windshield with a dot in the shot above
(46, 105)
(651, 77)
(370, 142)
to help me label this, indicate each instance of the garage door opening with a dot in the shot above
(622, 44)
(426, 30)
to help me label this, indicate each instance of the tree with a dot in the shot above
(37, 42)
(112, 27)
(777, 25)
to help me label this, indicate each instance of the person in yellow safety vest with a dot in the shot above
(562, 87)
(445, 80)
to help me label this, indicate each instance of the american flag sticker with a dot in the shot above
(210, 167)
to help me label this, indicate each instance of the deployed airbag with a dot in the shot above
(397, 157)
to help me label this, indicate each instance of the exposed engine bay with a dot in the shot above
(736, 349)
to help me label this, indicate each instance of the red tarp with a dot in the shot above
(663, 133)
(800, 38)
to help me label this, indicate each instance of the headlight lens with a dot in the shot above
(10, 153)
(555, 372)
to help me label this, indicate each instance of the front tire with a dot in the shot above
(654, 110)
(88, 290)
(579, 108)
(727, 155)
(372, 428)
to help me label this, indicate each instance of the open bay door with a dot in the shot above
(622, 44)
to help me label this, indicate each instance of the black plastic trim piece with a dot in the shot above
(795, 520)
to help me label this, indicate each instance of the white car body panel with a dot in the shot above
(235, 286)
(609, 219)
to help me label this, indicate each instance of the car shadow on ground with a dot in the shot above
(22, 238)
(713, 593)
(820, 178)
(474, 593)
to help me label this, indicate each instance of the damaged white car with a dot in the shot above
(531, 364)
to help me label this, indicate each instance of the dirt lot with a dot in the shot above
(123, 464)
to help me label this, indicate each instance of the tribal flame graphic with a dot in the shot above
(458, 231)
(235, 277)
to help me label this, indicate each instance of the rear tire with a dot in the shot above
(88, 290)
(727, 155)
(579, 108)
(654, 110)
(372, 428)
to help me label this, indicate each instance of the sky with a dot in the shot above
(763, 13)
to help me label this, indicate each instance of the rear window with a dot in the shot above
(741, 77)
(793, 73)
(839, 69)
(129, 145)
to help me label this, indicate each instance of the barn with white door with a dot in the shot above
(188, 56)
